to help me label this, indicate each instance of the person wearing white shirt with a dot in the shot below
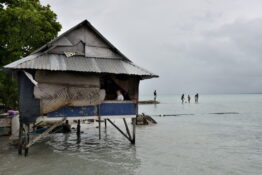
(120, 97)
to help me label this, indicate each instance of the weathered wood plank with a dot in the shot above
(45, 133)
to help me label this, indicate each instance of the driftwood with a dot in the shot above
(144, 120)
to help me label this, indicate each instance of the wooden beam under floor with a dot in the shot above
(45, 133)
(128, 136)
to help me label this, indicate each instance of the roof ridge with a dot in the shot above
(112, 58)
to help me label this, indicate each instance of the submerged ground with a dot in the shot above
(203, 143)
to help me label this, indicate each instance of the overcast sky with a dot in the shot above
(205, 46)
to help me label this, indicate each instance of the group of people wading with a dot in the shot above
(189, 98)
(182, 98)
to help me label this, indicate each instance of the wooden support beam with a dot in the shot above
(45, 133)
(78, 128)
(105, 124)
(20, 144)
(127, 129)
(99, 126)
(99, 121)
(120, 130)
(27, 139)
(134, 131)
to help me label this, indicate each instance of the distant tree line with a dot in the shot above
(25, 25)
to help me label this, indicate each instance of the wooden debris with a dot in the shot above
(144, 120)
(45, 133)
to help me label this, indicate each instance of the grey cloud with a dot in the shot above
(205, 46)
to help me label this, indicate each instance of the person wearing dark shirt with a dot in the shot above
(155, 94)
(196, 98)
(182, 98)
(188, 98)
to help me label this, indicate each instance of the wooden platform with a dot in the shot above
(148, 102)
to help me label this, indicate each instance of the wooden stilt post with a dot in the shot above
(78, 129)
(78, 132)
(120, 130)
(134, 131)
(105, 120)
(45, 132)
(99, 126)
(99, 121)
(20, 144)
(27, 140)
(127, 129)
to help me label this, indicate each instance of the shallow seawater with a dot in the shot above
(202, 143)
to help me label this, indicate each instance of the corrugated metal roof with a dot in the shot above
(95, 44)
(57, 62)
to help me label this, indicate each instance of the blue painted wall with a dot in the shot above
(106, 109)
(29, 106)
(117, 109)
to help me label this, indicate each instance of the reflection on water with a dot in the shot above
(226, 142)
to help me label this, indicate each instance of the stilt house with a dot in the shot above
(77, 76)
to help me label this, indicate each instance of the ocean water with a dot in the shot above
(221, 135)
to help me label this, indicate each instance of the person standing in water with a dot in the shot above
(188, 98)
(196, 98)
(155, 94)
(182, 98)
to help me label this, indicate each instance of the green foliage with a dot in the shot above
(25, 25)
(8, 94)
